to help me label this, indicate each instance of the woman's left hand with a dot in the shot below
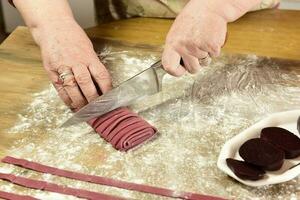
(199, 32)
(195, 34)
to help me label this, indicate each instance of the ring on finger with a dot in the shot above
(64, 75)
(205, 61)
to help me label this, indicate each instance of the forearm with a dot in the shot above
(265, 4)
(67, 53)
(38, 14)
(230, 10)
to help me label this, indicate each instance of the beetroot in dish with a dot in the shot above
(244, 170)
(283, 139)
(262, 154)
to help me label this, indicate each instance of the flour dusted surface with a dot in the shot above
(195, 116)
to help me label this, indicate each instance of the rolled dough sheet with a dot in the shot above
(105, 181)
(12, 196)
(51, 187)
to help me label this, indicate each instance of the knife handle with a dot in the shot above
(181, 62)
(203, 61)
(298, 124)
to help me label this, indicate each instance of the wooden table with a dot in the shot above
(271, 33)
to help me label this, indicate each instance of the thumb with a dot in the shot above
(171, 62)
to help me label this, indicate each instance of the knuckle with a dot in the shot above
(54, 63)
(62, 68)
(70, 83)
(176, 42)
(166, 65)
(168, 68)
(215, 49)
(65, 99)
(79, 103)
(180, 43)
(214, 46)
(197, 67)
(82, 78)
(60, 90)
(91, 97)
(191, 46)
(189, 42)
(62, 94)
(193, 71)
(221, 40)
(103, 75)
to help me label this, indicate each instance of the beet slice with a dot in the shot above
(245, 170)
(283, 139)
(262, 154)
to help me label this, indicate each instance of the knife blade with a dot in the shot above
(146, 83)
(298, 124)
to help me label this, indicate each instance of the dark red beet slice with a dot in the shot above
(262, 154)
(244, 170)
(283, 139)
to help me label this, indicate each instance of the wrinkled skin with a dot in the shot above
(69, 49)
(200, 31)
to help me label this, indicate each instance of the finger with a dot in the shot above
(101, 76)
(225, 40)
(171, 62)
(191, 63)
(215, 46)
(63, 95)
(204, 62)
(85, 82)
(203, 57)
(54, 77)
(195, 51)
(214, 50)
(72, 89)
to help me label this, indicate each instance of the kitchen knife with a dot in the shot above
(146, 83)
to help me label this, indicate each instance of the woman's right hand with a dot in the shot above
(71, 62)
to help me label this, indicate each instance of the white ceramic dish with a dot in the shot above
(287, 120)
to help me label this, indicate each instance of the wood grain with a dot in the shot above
(274, 33)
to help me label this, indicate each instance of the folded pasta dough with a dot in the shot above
(123, 129)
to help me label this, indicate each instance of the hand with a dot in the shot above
(68, 52)
(199, 32)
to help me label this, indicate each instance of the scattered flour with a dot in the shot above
(193, 127)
